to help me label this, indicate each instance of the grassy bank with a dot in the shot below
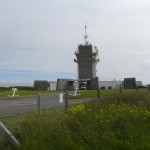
(119, 121)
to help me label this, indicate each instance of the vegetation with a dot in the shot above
(18, 87)
(116, 122)
(5, 93)
(93, 93)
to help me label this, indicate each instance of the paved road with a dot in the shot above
(30, 103)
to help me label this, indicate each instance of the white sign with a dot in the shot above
(61, 97)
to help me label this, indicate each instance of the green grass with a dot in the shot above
(5, 93)
(13, 123)
(116, 122)
(93, 93)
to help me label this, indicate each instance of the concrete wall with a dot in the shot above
(93, 84)
(41, 85)
(129, 83)
(84, 58)
(64, 84)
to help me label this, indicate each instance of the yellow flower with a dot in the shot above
(77, 109)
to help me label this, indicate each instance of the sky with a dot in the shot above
(38, 39)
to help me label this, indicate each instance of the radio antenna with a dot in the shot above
(86, 36)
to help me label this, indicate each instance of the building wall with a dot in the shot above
(62, 84)
(115, 84)
(94, 69)
(138, 83)
(106, 84)
(84, 58)
(93, 84)
(53, 85)
(129, 83)
(41, 85)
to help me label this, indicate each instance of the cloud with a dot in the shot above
(42, 35)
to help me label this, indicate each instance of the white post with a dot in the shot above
(61, 97)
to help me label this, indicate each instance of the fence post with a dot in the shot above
(148, 87)
(66, 101)
(137, 89)
(39, 104)
(98, 93)
(120, 89)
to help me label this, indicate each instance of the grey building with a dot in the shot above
(129, 83)
(86, 59)
(41, 85)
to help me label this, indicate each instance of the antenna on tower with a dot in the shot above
(86, 36)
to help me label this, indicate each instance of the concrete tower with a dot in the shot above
(86, 59)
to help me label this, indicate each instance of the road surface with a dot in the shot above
(25, 104)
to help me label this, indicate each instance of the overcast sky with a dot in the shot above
(38, 38)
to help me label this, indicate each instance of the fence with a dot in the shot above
(11, 106)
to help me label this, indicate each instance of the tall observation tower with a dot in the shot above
(86, 59)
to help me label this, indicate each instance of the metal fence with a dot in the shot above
(14, 105)
(23, 104)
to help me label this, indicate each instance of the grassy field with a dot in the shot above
(5, 93)
(83, 93)
(116, 122)
(93, 93)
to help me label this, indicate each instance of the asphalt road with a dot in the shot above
(21, 105)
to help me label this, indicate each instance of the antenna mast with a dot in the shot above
(86, 36)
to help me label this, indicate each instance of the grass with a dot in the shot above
(5, 93)
(116, 122)
(83, 93)
(13, 123)
(93, 93)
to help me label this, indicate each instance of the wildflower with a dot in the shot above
(77, 109)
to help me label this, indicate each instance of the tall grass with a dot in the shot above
(117, 122)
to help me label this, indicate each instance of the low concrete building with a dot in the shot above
(130, 83)
(115, 84)
(69, 84)
(41, 85)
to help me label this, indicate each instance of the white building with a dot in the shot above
(115, 84)
(52, 85)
